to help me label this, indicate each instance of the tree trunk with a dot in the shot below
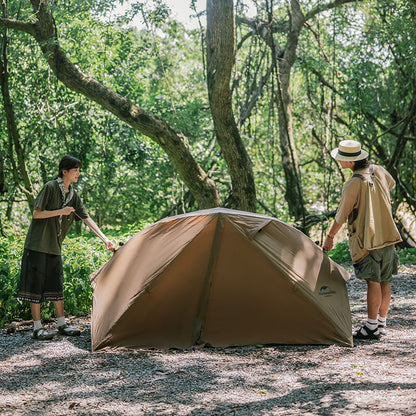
(3, 187)
(284, 64)
(293, 192)
(12, 131)
(220, 61)
(284, 59)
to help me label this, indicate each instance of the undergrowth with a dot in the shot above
(81, 255)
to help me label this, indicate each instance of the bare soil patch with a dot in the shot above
(62, 376)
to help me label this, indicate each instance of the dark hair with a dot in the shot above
(67, 163)
(361, 164)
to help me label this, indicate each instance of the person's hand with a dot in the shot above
(67, 210)
(328, 243)
(109, 245)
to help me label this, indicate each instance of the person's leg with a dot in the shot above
(59, 308)
(37, 323)
(385, 299)
(384, 308)
(63, 328)
(377, 269)
(60, 313)
(389, 267)
(38, 331)
(370, 329)
(374, 299)
(35, 308)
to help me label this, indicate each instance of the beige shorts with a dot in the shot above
(379, 266)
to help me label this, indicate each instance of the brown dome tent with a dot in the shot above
(219, 277)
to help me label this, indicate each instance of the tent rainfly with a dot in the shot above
(219, 277)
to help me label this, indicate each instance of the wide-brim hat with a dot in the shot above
(349, 151)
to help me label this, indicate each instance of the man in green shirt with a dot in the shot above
(41, 277)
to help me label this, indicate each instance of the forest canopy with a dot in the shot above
(240, 112)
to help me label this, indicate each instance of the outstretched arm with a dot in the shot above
(96, 230)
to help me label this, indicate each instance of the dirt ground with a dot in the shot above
(62, 376)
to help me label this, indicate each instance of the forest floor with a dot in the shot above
(63, 377)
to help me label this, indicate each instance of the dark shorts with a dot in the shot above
(41, 277)
(379, 266)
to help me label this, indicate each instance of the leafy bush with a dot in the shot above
(81, 255)
(11, 250)
(341, 253)
(407, 256)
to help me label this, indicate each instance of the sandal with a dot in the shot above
(366, 333)
(42, 334)
(382, 329)
(69, 331)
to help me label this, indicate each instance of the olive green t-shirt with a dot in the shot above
(46, 234)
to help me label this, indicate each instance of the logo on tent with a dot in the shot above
(326, 291)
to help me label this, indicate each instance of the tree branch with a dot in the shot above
(18, 25)
(331, 5)
(44, 31)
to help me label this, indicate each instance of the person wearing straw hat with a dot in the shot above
(41, 276)
(366, 207)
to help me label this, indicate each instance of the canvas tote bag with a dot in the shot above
(374, 227)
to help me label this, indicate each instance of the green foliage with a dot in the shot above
(354, 78)
(81, 256)
(407, 256)
(340, 253)
(125, 176)
(11, 250)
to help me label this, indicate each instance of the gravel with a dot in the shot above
(63, 377)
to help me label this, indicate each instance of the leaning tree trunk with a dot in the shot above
(220, 61)
(44, 31)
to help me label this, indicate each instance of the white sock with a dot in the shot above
(381, 320)
(372, 324)
(37, 325)
(61, 321)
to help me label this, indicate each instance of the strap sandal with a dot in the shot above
(68, 331)
(366, 333)
(42, 334)
(382, 329)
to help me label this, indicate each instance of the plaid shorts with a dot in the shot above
(41, 277)
(379, 266)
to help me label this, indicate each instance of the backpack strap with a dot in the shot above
(358, 175)
(372, 174)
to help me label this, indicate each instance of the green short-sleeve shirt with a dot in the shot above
(46, 234)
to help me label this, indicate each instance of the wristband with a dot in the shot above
(330, 236)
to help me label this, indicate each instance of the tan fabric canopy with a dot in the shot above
(220, 277)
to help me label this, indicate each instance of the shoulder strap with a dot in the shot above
(372, 174)
(358, 175)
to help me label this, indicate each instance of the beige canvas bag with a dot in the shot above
(372, 225)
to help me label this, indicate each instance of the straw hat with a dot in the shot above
(349, 151)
